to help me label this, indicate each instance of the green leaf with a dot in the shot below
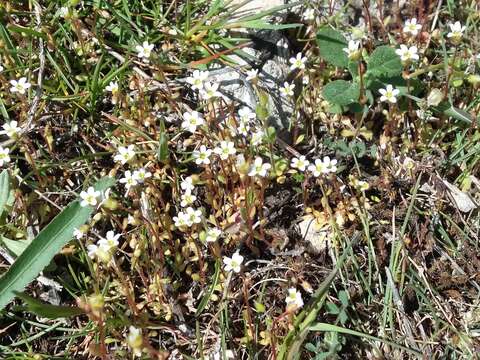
(341, 92)
(452, 111)
(48, 310)
(331, 43)
(4, 190)
(15, 247)
(163, 143)
(384, 62)
(44, 247)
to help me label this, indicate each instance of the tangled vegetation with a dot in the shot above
(145, 212)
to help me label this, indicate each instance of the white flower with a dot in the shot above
(63, 11)
(10, 129)
(456, 30)
(300, 163)
(89, 197)
(252, 74)
(298, 62)
(20, 86)
(135, 340)
(330, 166)
(4, 156)
(202, 156)
(141, 175)
(187, 184)
(144, 50)
(180, 220)
(92, 250)
(259, 168)
(197, 79)
(125, 154)
(213, 234)
(78, 234)
(187, 199)
(209, 91)
(257, 137)
(110, 241)
(112, 87)
(389, 94)
(246, 115)
(412, 27)
(406, 53)
(309, 14)
(192, 121)
(234, 263)
(318, 168)
(294, 298)
(243, 128)
(225, 149)
(287, 89)
(129, 180)
(352, 49)
(193, 216)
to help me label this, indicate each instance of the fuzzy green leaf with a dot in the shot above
(384, 62)
(341, 92)
(44, 247)
(331, 43)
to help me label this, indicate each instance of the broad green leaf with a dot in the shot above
(4, 189)
(341, 92)
(44, 247)
(331, 43)
(384, 62)
(48, 310)
(15, 247)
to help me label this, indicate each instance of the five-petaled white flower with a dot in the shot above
(89, 197)
(294, 299)
(246, 115)
(210, 91)
(234, 263)
(112, 87)
(252, 74)
(407, 54)
(141, 175)
(298, 62)
(197, 79)
(187, 199)
(4, 156)
(287, 89)
(101, 252)
(309, 14)
(317, 168)
(412, 27)
(180, 220)
(145, 50)
(192, 121)
(135, 340)
(257, 137)
(129, 179)
(300, 163)
(389, 94)
(259, 168)
(187, 184)
(110, 240)
(225, 149)
(20, 86)
(329, 165)
(125, 154)
(11, 129)
(352, 49)
(457, 30)
(78, 234)
(213, 234)
(193, 216)
(202, 156)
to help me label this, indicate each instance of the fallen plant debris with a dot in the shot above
(239, 180)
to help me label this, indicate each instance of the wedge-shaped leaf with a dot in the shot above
(48, 310)
(331, 43)
(341, 92)
(4, 190)
(43, 248)
(384, 62)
